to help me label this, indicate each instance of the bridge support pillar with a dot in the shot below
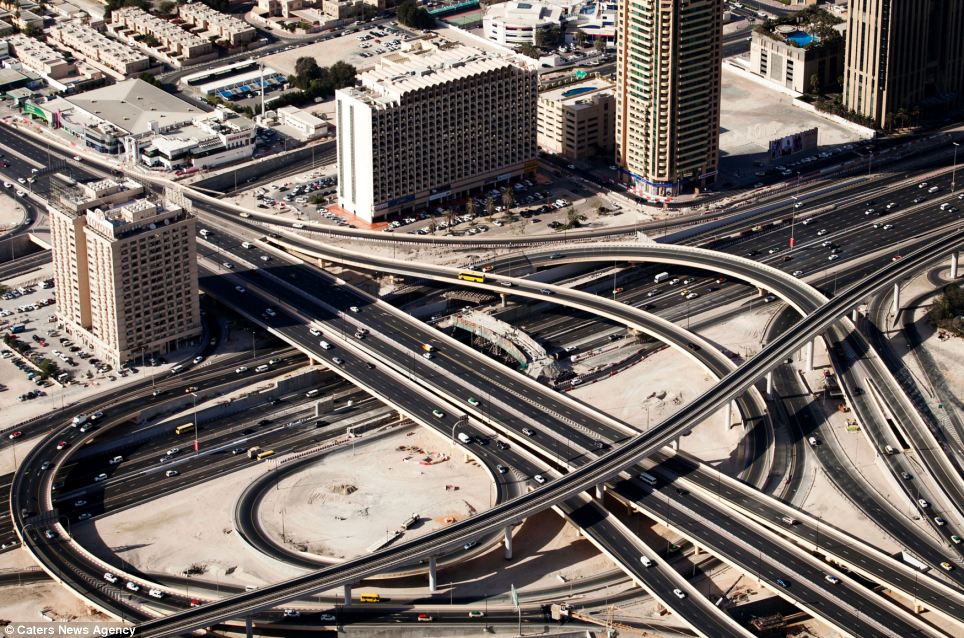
(854, 315)
(347, 600)
(674, 445)
(896, 307)
(696, 550)
(248, 627)
(809, 355)
(954, 257)
(770, 383)
(918, 608)
(432, 580)
(507, 541)
(600, 490)
(503, 300)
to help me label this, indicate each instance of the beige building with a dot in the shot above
(578, 120)
(126, 276)
(123, 61)
(169, 42)
(304, 124)
(39, 57)
(282, 8)
(776, 57)
(430, 123)
(903, 58)
(668, 57)
(228, 28)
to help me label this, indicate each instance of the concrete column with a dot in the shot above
(735, 409)
(896, 307)
(347, 600)
(809, 355)
(504, 300)
(507, 541)
(854, 316)
(727, 420)
(674, 444)
(954, 265)
(770, 383)
(600, 490)
(248, 627)
(696, 550)
(432, 580)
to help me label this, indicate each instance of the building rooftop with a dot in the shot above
(572, 94)
(421, 66)
(531, 13)
(136, 106)
(132, 217)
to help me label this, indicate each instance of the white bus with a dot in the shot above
(645, 477)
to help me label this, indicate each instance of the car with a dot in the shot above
(291, 613)
(173, 451)
(616, 291)
(922, 185)
(110, 578)
(100, 477)
(61, 445)
(528, 431)
(475, 613)
(131, 585)
(15, 435)
(228, 265)
(155, 593)
(501, 468)
(940, 522)
(197, 359)
(80, 503)
(428, 355)
(905, 475)
(315, 332)
(438, 414)
(502, 445)
(424, 618)
(692, 295)
(833, 257)
(924, 504)
(679, 593)
(505, 284)
(822, 232)
(238, 450)
(473, 401)
(326, 617)
(782, 583)
(545, 291)
(797, 273)
(354, 308)
(888, 226)
(830, 578)
(241, 369)
(84, 516)
(50, 534)
(955, 539)
(769, 298)
(338, 361)
(946, 566)
(194, 602)
(539, 478)
(171, 473)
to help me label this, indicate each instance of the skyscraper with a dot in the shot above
(904, 57)
(668, 93)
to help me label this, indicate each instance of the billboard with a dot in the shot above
(793, 143)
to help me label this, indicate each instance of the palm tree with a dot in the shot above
(470, 207)
(490, 206)
(449, 216)
(508, 198)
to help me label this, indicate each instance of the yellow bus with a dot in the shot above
(370, 598)
(477, 277)
(181, 429)
(263, 455)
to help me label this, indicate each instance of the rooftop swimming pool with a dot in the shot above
(578, 91)
(800, 38)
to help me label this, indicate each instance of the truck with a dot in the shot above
(17, 328)
(465, 438)
(663, 276)
(427, 347)
(253, 452)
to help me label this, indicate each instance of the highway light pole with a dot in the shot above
(954, 170)
(196, 450)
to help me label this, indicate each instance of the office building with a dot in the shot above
(795, 59)
(668, 94)
(117, 58)
(430, 123)
(904, 58)
(578, 121)
(126, 274)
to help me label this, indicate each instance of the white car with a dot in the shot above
(100, 477)
(171, 473)
(354, 308)
(833, 580)
(110, 578)
(679, 593)
(539, 478)
(173, 451)
(198, 359)
(131, 585)
(156, 593)
(315, 331)
(241, 369)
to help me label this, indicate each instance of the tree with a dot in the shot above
(470, 207)
(572, 217)
(528, 50)
(580, 39)
(508, 198)
(167, 7)
(600, 45)
(449, 216)
(490, 206)
(411, 15)
(150, 79)
(549, 38)
(814, 84)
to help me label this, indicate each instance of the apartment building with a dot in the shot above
(95, 47)
(668, 57)
(126, 276)
(39, 57)
(432, 122)
(904, 58)
(515, 23)
(283, 8)
(228, 28)
(577, 121)
(160, 38)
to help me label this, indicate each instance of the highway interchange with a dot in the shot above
(402, 343)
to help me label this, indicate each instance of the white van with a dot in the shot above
(645, 561)
(465, 438)
(261, 368)
(177, 368)
(325, 345)
(247, 244)
(889, 449)
(311, 393)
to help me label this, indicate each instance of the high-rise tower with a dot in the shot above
(668, 93)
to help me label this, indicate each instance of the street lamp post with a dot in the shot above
(954, 170)
(196, 447)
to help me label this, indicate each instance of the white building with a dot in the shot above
(433, 122)
(119, 59)
(305, 125)
(515, 23)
